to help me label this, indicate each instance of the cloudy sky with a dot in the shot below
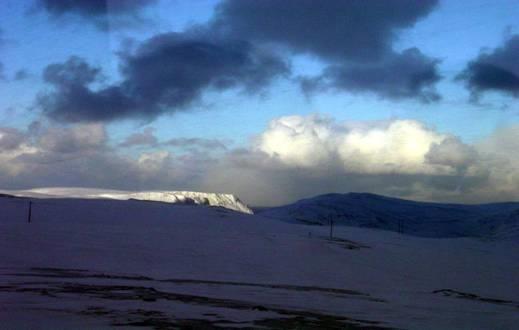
(270, 100)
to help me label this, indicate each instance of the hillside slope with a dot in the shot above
(408, 217)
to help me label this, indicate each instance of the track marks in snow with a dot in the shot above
(475, 297)
(119, 299)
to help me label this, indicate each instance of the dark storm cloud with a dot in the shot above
(173, 69)
(407, 75)
(335, 29)
(92, 7)
(495, 71)
(3, 41)
(95, 11)
(355, 38)
(2, 73)
(75, 71)
(73, 100)
(21, 75)
(166, 73)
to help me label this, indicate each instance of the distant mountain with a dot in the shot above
(227, 201)
(405, 216)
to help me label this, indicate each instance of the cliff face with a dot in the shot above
(227, 201)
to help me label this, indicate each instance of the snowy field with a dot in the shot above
(93, 263)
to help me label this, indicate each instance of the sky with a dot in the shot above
(270, 100)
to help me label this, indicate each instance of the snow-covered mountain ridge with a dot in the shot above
(424, 219)
(227, 201)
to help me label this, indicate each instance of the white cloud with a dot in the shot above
(397, 146)
(152, 161)
(80, 155)
(298, 141)
(452, 152)
(301, 156)
(10, 138)
(73, 139)
(378, 147)
(144, 138)
(295, 157)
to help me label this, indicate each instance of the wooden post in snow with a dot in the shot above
(30, 212)
(331, 229)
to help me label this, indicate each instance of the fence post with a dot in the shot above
(30, 212)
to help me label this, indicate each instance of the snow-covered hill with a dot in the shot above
(228, 201)
(409, 217)
(104, 264)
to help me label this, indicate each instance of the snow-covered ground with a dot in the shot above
(93, 263)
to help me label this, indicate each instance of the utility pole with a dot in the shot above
(30, 212)
(331, 229)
